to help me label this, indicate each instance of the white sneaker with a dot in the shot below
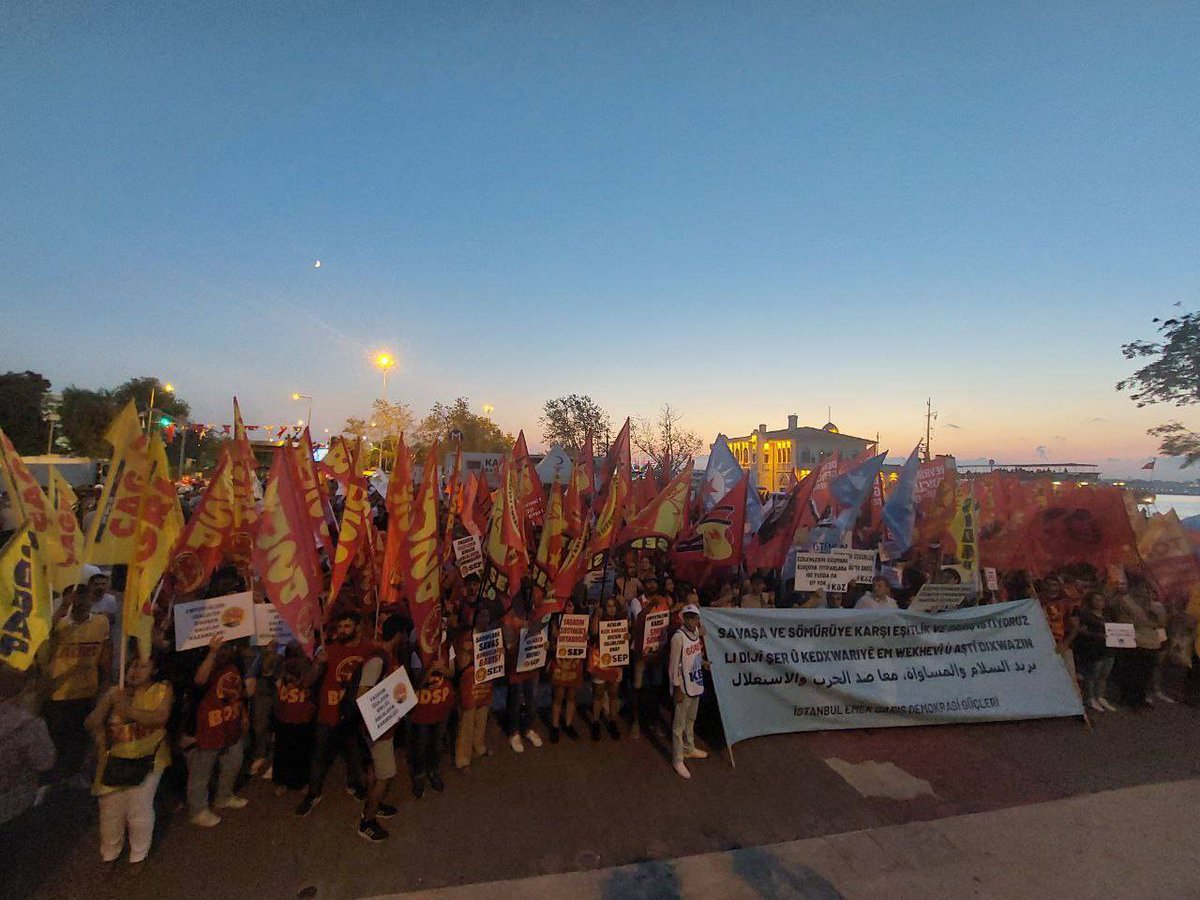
(515, 743)
(696, 753)
(681, 769)
(1095, 704)
(256, 766)
(532, 737)
(269, 773)
(205, 819)
(1111, 707)
(232, 802)
(1163, 697)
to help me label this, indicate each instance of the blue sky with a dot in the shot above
(745, 210)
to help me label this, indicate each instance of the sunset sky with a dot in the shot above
(744, 209)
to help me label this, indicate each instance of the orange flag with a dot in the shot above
(529, 485)
(399, 501)
(504, 551)
(423, 571)
(285, 555)
(583, 472)
(656, 525)
(208, 532)
(356, 516)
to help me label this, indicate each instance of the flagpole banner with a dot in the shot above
(777, 671)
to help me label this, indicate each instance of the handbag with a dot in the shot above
(120, 771)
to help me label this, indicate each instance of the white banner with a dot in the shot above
(197, 622)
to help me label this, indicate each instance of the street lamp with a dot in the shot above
(168, 388)
(308, 397)
(488, 409)
(386, 362)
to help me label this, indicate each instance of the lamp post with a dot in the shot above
(386, 362)
(168, 388)
(488, 409)
(308, 415)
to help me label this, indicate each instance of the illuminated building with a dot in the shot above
(770, 456)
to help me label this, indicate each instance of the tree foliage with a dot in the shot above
(568, 420)
(1172, 375)
(665, 441)
(22, 396)
(479, 433)
(86, 414)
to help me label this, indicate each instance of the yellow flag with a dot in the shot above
(159, 524)
(24, 599)
(64, 571)
(112, 537)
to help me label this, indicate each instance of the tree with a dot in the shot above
(22, 395)
(567, 421)
(166, 403)
(668, 445)
(1172, 376)
(479, 433)
(86, 415)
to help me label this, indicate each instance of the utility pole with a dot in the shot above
(928, 425)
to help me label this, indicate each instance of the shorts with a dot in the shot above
(383, 758)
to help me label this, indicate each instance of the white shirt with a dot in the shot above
(870, 601)
(687, 662)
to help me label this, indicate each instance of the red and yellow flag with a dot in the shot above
(160, 522)
(338, 463)
(207, 533)
(398, 502)
(284, 552)
(29, 500)
(583, 472)
(423, 571)
(356, 516)
(68, 536)
(312, 490)
(529, 486)
(24, 599)
(614, 497)
(504, 551)
(549, 556)
(657, 524)
(112, 538)
(454, 503)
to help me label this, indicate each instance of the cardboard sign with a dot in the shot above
(489, 655)
(990, 579)
(387, 703)
(572, 637)
(197, 622)
(656, 631)
(859, 565)
(468, 555)
(614, 643)
(269, 625)
(821, 571)
(935, 598)
(1118, 634)
(531, 654)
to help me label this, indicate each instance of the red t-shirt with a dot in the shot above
(341, 662)
(435, 700)
(293, 704)
(221, 714)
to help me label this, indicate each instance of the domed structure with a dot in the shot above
(830, 427)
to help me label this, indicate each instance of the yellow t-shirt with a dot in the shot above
(131, 741)
(75, 666)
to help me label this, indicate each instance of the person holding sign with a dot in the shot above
(474, 695)
(686, 670)
(606, 677)
(651, 614)
(1093, 659)
(522, 686)
(221, 725)
(566, 674)
(130, 727)
(378, 665)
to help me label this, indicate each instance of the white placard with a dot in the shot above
(197, 622)
(1119, 634)
(468, 555)
(531, 653)
(614, 643)
(489, 655)
(935, 598)
(269, 625)
(387, 703)
(572, 637)
(990, 579)
(821, 571)
(655, 635)
(859, 565)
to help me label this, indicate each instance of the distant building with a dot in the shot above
(770, 456)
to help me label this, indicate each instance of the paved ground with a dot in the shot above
(591, 806)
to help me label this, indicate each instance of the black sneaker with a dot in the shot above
(553, 734)
(307, 804)
(595, 731)
(435, 782)
(357, 793)
(418, 789)
(385, 811)
(372, 831)
(569, 731)
(613, 731)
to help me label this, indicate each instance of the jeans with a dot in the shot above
(64, 721)
(1095, 677)
(261, 705)
(426, 749)
(200, 768)
(328, 739)
(132, 807)
(520, 707)
(683, 737)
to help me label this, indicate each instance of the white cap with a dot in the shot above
(691, 609)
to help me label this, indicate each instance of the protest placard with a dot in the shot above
(572, 637)
(656, 631)
(859, 565)
(489, 655)
(531, 652)
(387, 703)
(990, 579)
(822, 571)
(614, 643)
(468, 555)
(197, 622)
(1119, 634)
(269, 625)
(935, 598)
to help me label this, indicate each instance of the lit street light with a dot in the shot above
(386, 362)
(308, 397)
(168, 388)
(488, 409)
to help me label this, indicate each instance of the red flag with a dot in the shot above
(1089, 525)
(614, 497)
(207, 533)
(398, 502)
(549, 555)
(454, 503)
(356, 516)
(338, 463)
(284, 553)
(583, 472)
(422, 581)
(659, 521)
(1149, 467)
(714, 542)
(504, 549)
(316, 497)
(533, 498)
(768, 547)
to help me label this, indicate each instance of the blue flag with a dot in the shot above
(755, 514)
(900, 512)
(720, 475)
(852, 490)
